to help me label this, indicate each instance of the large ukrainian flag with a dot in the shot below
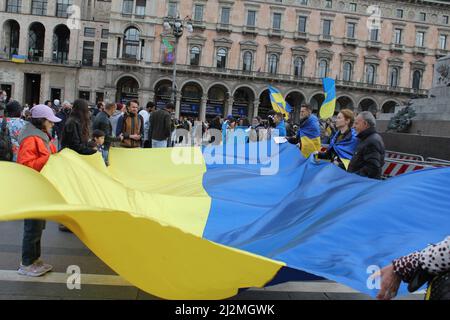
(181, 230)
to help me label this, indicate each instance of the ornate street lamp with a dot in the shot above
(176, 25)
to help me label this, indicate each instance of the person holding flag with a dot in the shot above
(309, 131)
(344, 141)
(281, 125)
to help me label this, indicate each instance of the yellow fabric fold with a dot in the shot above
(143, 216)
(310, 145)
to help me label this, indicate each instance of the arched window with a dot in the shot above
(323, 68)
(61, 43)
(195, 56)
(298, 67)
(131, 43)
(248, 61)
(36, 36)
(417, 79)
(393, 79)
(348, 68)
(222, 58)
(370, 74)
(273, 63)
(12, 33)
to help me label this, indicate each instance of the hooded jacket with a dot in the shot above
(35, 147)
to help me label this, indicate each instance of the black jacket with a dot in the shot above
(160, 125)
(368, 159)
(72, 138)
(59, 126)
(101, 122)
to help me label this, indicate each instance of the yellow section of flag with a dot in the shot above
(144, 217)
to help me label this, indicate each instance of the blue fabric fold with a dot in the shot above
(319, 219)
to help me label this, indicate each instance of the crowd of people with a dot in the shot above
(29, 136)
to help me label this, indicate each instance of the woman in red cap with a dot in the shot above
(34, 151)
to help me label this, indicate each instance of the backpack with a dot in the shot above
(6, 150)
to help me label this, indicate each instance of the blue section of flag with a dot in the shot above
(329, 87)
(317, 218)
(310, 128)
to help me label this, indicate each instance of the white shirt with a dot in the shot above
(146, 116)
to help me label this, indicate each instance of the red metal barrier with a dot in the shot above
(403, 156)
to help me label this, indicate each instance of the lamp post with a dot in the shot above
(176, 25)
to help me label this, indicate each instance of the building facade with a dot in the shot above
(118, 50)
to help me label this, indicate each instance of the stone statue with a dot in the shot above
(402, 121)
(444, 74)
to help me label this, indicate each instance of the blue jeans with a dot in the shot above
(31, 244)
(159, 143)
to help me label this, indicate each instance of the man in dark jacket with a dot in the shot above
(368, 159)
(161, 126)
(101, 122)
(63, 114)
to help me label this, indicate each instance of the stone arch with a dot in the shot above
(345, 102)
(199, 83)
(389, 105)
(368, 104)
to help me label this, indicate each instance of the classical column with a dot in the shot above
(255, 108)
(48, 45)
(203, 108)
(45, 86)
(151, 96)
(120, 47)
(74, 45)
(140, 51)
(229, 107)
(147, 51)
(23, 40)
(110, 94)
(178, 106)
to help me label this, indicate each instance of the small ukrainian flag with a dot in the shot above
(329, 105)
(278, 102)
(17, 58)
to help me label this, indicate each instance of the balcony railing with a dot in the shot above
(42, 60)
(373, 44)
(397, 47)
(199, 24)
(351, 42)
(224, 27)
(326, 38)
(265, 76)
(250, 30)
(420, 50)
(276, 33)
(301, 36)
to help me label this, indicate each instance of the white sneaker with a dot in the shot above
(34, 270)
(48, 267)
